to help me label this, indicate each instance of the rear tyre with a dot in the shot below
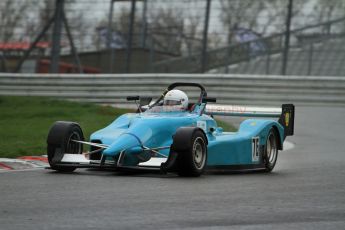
(191, 161)
(271, 150)
(60, 141)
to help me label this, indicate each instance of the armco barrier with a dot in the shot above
(228, 89)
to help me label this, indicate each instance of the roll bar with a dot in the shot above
(203, 92)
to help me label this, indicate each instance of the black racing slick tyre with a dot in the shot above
(192, 156)
(271, 150)
(60, 140)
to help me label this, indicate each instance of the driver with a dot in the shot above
(176, 98)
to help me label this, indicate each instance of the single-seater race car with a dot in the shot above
(173, 135)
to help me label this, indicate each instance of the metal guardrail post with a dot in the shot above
(310, 58)
(144, 26)
(3, 62)
(109, 36)
(287, 38)
(204, 40)
(130, 38)
(56, 37)
(228, 57)
(268, 61)
(152, 55)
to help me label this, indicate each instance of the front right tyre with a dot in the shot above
(192, 152)
(61, 139)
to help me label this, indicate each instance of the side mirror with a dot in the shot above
(209, 99)
(132, 98)
(145, 101)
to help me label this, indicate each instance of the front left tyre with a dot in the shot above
(61, 139)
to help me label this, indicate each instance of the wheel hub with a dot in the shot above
(199, 153)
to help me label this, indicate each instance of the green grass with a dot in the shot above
(25, 121)
(226, 126)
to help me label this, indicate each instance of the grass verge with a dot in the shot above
(25, 121)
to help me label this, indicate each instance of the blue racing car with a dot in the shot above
(175, 135)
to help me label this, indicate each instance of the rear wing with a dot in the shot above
(287, 119)
(286, 113)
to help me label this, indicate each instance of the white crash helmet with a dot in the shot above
(176, 97)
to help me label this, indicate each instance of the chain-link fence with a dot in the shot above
(225, 36)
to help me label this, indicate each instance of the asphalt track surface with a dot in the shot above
(305, 191)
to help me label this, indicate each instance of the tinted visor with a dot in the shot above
(172, 102)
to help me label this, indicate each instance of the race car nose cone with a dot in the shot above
(124, 142)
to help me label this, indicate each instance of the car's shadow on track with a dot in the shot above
(114, 173)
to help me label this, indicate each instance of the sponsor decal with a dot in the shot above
(287, 119)
(228, 108)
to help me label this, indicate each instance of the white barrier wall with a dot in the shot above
(228, 89)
